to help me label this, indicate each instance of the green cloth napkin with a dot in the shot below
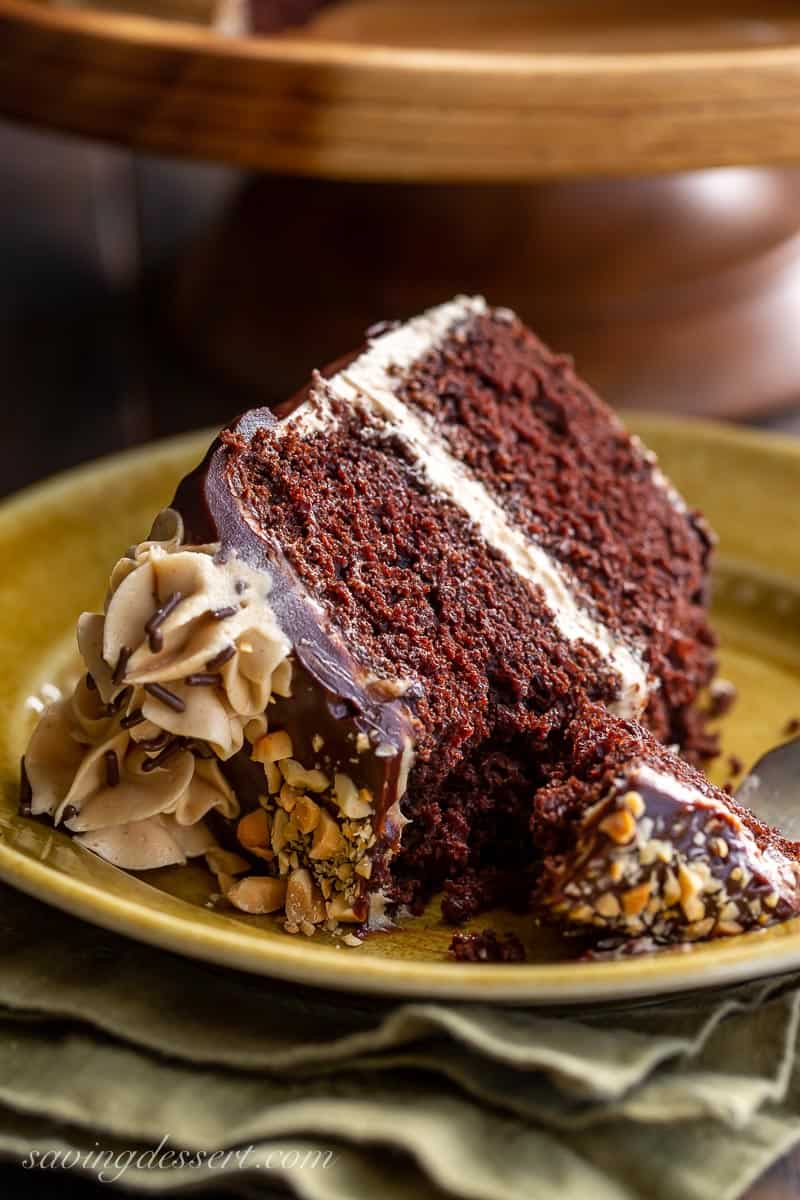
(118, 1055)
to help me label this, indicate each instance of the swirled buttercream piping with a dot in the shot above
(187, 653)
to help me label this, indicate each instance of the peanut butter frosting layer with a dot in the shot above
(186, 653)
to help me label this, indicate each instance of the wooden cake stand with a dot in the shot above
(553, 155)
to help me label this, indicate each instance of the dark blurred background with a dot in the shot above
(82, 362)
(141, 296)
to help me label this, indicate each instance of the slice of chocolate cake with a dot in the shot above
(406, 638)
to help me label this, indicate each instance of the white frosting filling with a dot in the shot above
(371, 380)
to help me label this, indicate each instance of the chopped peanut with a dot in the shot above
(283, 830)
(338, 909)
(607, 905)
(728, 928)
(253, 829)
(298, 777)
(272, 747)
(288, 797)
(328, 841)
(258, 894)
(635, 899)
(671, 889)
(619, 825)
(350, 801)
(691, 886)
(306, 814)
(274, 777)
(634, 803)
(303, 900)
(581, 912)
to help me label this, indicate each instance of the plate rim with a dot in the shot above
(282, 957)
(772, 951)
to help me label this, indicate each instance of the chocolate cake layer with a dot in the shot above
(409, 585)
(572, 477)
(417, 596)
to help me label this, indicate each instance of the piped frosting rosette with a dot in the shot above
(186, 655)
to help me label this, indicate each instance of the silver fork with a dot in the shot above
(771, 789)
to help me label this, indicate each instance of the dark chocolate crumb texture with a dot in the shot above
(432, 630)
(486, 947)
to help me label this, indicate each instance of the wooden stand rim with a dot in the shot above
(355, 111)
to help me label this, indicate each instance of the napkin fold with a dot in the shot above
(162, 1074)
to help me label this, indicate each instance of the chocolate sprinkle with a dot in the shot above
(25, 791)
(792, 726)
(221, 614)
(203, 679)
(158, 618)
(168, 751)
(69, 812)
(119, 701)
(122, 662)
(240, 586)
(112, 768)
(134, 718)
(225, 655)
(158, 692)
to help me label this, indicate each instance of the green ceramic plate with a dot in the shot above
(57, 542)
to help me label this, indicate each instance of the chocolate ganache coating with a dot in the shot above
(334, 702)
